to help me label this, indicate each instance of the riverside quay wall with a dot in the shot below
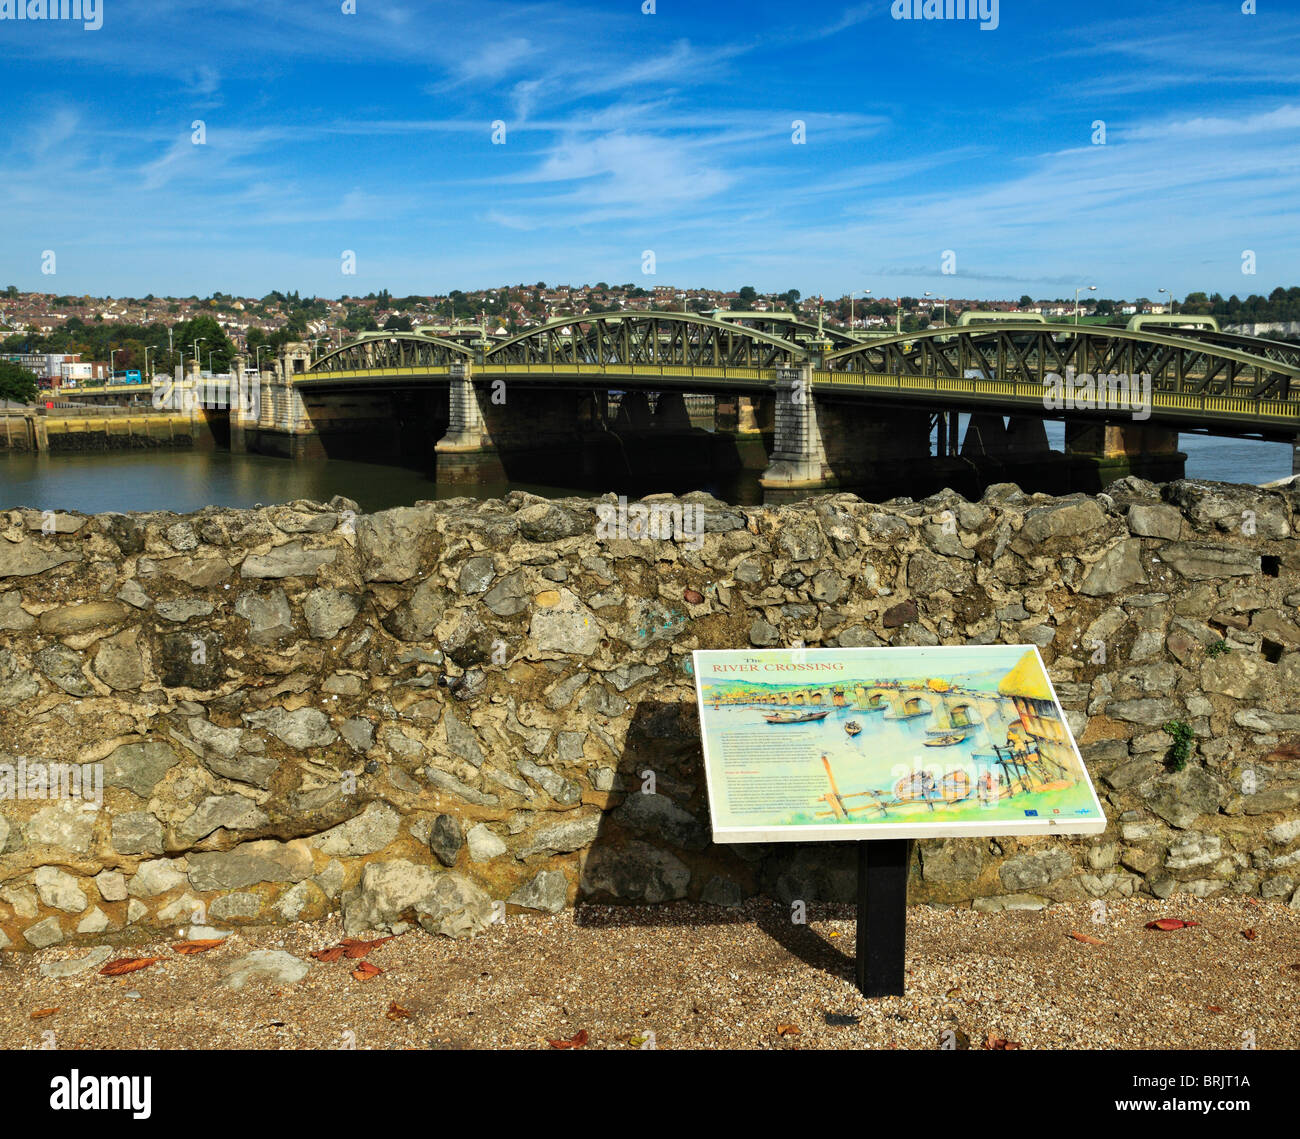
(438, 713)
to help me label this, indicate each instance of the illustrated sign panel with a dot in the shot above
(809, 744)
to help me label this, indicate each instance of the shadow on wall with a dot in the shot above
(656, 846)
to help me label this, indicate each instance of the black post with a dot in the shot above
(882, 915)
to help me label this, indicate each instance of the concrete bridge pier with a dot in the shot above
(633, 413)
(1295, 456)
(1100, 453)
(798, 456)
(671, 413)
(467, 449)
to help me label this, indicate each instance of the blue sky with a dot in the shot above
(670, 132)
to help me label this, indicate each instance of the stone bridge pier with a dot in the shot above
(1105, 452)
(821, 441)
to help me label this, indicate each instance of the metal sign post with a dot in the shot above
(882, 915)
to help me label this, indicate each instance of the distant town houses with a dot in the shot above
(31, 321)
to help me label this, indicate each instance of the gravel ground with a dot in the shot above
(695, 976)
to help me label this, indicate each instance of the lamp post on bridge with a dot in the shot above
(1171, 299)
(1091, 289)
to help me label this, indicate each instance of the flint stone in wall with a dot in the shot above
(250, 863)
(231, 812)
(22, 559)
(1199, 562)
(483, 844)
(329, 612)
(137, 832)
(189, 660)
(370, 831)
(12, 615)
(138, 767)
(954, 859)
(545, 891)
(302, 728)
(1225, 507)
(568, 627)
(414, 620)
(185, 609)
(446, 839)
(927, 573)
(391, 544)
(461, 740)
(1069, 519)
(562, 790)
(63, 666)
(59, 890)
(561, 838)
(637, 871)
(453, 785)
(44, 933)
(443, 903)
(1155, 521)
(290, 560)
(269, 617)
(549, 522)
(359, 733)
(111, 885)
(1119, 568)
(509, 596)
(155, 877)
(1181, 797)
(801, 540)
(476, 575)
(1035, 869)
(658, 815)
(198, 572)
(118, 662)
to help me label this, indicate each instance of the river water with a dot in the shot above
(188, 480)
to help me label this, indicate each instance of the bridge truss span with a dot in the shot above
(1028, 353)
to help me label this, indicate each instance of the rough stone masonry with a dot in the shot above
(416, 715)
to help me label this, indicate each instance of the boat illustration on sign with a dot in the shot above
(794, 717)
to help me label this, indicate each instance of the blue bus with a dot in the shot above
(127, 376)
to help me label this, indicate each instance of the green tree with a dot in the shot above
(1026, 300)
(748, 295)
(17, 383)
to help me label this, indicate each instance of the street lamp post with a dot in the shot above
(865, 293)
(1171, 298)
(198, 360)
(1091, 289)
(109, 378)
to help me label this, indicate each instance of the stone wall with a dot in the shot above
(419, 713)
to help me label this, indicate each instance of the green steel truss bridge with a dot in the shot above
(1200, 379)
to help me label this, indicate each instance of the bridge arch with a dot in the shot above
(645, 338)
(391, 350)
(1181, 360)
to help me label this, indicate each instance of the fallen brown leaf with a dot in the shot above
(998, 1044)
(787, 1030)
(201, 945)
(396, 1012)
(1170, 923)
(1213, 1008)
(1085, 937)
(127, 965)
(1249, 934)
(42, 1013)
(353, 949)
(365, 971)
(331, 954)
(575, 1041)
